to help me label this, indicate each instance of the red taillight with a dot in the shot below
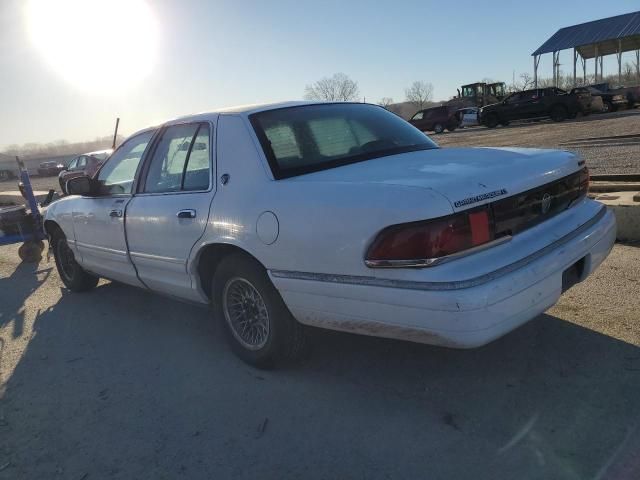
(431, 239)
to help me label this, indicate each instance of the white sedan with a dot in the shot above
(340, 216)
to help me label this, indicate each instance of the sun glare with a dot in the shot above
(98, 45)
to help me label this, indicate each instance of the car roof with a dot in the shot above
(106, 150)
(243, 110)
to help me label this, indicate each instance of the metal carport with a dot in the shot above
(596, 39)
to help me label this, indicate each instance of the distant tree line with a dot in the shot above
(60, 147)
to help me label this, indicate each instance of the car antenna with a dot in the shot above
(115, 134)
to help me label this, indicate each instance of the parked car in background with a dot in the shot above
(85, 164)
(537, 103)
(611, 101)
(631, 94)
(436, 119)
(468, 117)
(341, 216)
(597, 104)
(48, 168)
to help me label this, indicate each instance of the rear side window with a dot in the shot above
(309, 138)
(180, 160)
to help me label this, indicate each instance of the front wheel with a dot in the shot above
(259, 326)
(71, 273)
(438, 128)
(491, 120)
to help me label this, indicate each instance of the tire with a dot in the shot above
(438, 128)
(558, 113)
(241, 293)
(74, 277)
(607, 107)
(492, 120)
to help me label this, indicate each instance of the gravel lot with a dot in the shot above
(609, 142)
(120, 383)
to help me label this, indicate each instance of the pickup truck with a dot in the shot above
(335, 215)
(537, 103)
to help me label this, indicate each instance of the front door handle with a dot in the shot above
(116, 213)
(187, 213)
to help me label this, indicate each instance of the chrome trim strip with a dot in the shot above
(158, 258)
(456, 285)
(432, 262)
(100, 249)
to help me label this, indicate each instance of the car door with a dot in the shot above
(98, 221)
(511, 107)
(169, 213)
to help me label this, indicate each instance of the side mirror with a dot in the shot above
(80, 186)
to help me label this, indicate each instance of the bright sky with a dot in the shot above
(214, 53)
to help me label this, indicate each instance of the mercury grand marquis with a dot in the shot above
(336, 215)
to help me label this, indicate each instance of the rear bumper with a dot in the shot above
(464, 315)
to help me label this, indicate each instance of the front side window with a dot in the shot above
(418, 116)
(180, 160)
(309, 138)
(117, 175)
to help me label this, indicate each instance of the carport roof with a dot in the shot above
(603, 34)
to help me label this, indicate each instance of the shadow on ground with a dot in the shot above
(119, 383)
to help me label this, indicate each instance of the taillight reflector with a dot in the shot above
(431, 239)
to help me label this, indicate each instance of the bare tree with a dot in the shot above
(524, 82)
(385, 102)
(338, 88)
(419, 94)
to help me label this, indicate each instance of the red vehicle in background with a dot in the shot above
(85, 164)
(436, 119)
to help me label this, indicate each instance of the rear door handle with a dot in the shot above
(187, 213)
(116, 213)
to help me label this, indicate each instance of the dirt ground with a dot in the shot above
(609, 142)
(119, 383)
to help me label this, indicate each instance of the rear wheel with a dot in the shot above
(71, 273)
(259, 326)
(438, 128)
(559, 113)
(607, 107)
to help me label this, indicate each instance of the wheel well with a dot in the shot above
(51, 228)
(209, 259)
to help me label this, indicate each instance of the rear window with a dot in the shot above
(310, 138)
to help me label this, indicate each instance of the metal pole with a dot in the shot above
(601, 70)
(638, 64)
(595, 58)
(619, 55)
(575, 60)
(584, 71)
(535, 71)
(115, 133)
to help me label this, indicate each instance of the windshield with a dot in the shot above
(309, 138)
